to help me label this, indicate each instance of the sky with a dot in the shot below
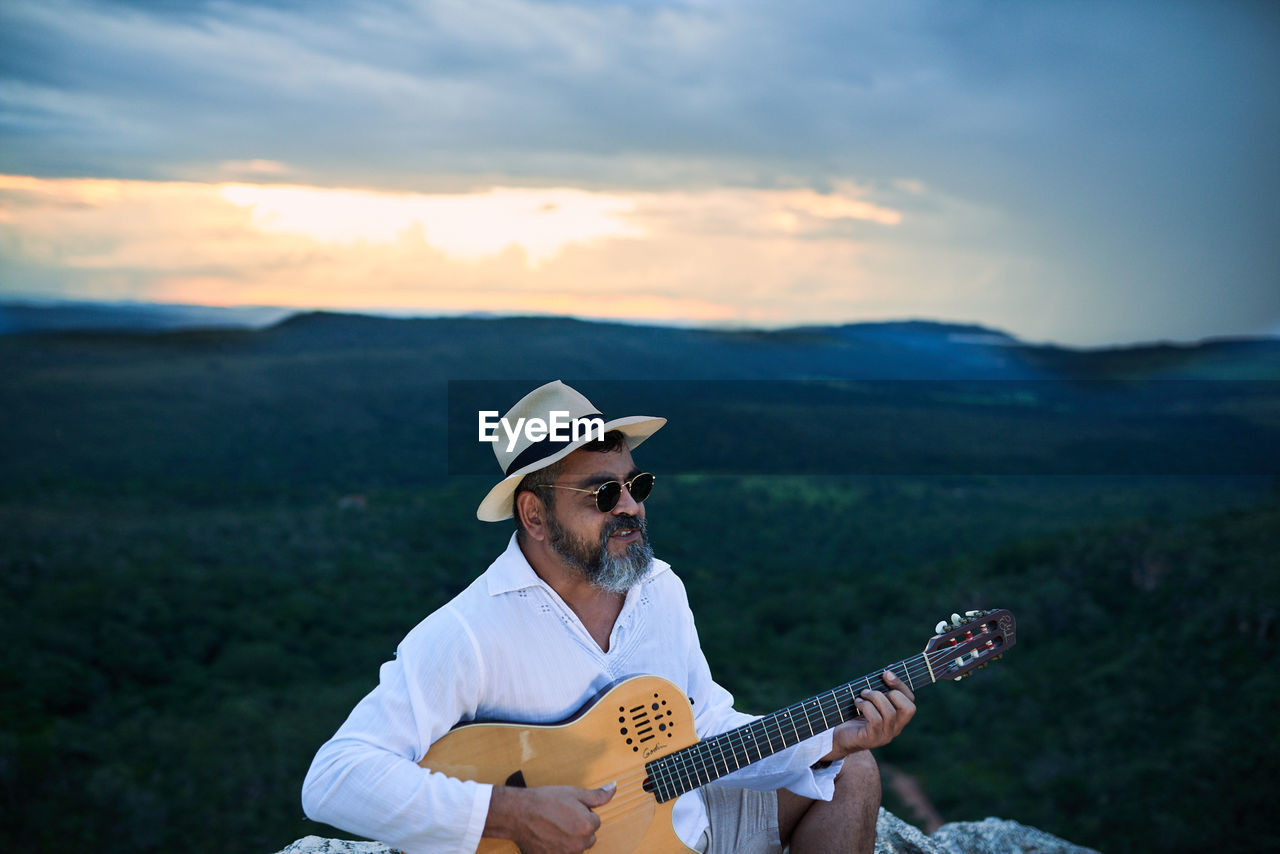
(1082, 173)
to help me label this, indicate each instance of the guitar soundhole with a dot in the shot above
(645, 722)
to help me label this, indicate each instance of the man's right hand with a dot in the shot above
(547, 819)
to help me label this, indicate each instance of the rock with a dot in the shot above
(989, 836)
(997, 836)
(893, 836)
(319, 845)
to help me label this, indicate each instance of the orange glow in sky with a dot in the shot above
(721, 255)
(465, 226)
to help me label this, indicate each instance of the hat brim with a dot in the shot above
(496, 506)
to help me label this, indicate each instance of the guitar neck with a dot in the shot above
(712, 758)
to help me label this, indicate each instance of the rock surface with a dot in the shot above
(893, 836)
(320, 845)
(989, 836)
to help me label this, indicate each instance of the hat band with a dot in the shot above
(546, 447)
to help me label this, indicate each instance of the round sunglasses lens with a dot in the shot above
(641, 486)
(607, 496)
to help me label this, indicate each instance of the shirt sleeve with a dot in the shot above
(366, 779)
(787, 769)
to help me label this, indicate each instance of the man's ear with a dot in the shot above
(532, 513)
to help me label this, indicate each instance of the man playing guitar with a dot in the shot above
(576, 603)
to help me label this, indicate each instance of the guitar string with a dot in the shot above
(696, 762)
(699, 763)
(691, 764)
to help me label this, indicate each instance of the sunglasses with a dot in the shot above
(608, 493)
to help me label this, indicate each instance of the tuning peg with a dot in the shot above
(955, 620)
(941, 627)
(975, 613)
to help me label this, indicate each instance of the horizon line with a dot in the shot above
(404, 313)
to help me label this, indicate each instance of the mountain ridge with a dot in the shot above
(37, 316)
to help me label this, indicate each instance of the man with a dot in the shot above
(576, 602)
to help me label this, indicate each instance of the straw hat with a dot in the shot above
(524, 455)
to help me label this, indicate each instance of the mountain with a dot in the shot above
(49, 316)
(323, 397)
(595, 349)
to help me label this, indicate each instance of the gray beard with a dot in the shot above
(616, 574)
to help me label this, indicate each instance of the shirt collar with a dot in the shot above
(512, 572)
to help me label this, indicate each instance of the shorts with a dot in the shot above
(743, 821)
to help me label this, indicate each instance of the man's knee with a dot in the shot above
(848, 821)
(859, 780)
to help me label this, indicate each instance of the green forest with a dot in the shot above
(210, 541)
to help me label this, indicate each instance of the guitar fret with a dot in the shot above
(749, 739)
(667, 786)
(781, 721)
(696, 765)
(685, 769)
(813, 727)
(726, 742)
(743, 746)
(696, 768)
(808, 719)
(720, 749)
(770, 728)
(691, 769)
(681, 771)
(792, 721)
(711, 767)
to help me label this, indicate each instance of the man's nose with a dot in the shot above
(627, 504)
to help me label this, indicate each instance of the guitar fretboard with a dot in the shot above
(712, 758)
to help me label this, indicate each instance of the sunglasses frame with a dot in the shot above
(595, 493)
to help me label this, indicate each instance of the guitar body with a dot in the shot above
(608, 740)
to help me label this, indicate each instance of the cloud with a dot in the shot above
(257, 167)
(721, 255)
(472, 226)
(448, 85)
(1118, 157)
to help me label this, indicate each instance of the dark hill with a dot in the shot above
(521, 347)
(328, 398)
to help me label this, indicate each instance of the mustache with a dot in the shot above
(618, 523)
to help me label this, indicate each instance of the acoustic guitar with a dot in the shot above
(639, 733)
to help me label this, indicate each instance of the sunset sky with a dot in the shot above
(1075, 172)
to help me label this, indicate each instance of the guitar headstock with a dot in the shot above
(965, 644)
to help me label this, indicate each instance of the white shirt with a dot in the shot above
(509, 649)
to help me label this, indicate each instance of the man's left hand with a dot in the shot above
(884, 714)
